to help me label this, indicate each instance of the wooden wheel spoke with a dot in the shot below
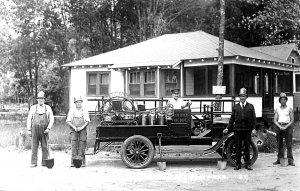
(141, 156)
(145, 150)
(138, 144)
(130, 157)
(143, 146)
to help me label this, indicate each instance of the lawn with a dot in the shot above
(11, 128)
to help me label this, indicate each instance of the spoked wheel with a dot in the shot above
(231, 152)
(137, 152)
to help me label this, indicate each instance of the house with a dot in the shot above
(290, 53)
(188, 61)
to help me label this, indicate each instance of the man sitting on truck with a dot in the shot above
(179, 103)
(176, 102)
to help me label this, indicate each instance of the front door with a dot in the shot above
(267, 89)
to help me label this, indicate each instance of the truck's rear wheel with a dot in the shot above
(137, 152)
(231, 152)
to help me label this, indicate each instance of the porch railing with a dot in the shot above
(198, 107)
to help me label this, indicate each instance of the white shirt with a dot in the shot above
(78, 113)
(40, 110)
(283, 115)
(177, 104)
(243, 104)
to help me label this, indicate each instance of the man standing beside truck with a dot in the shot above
(242, 122)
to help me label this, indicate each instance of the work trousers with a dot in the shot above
(78, 140)
(242, 141)
(39, 125)
(286, 134)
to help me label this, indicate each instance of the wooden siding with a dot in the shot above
(78, 85)
(189, 83)
(297, 101)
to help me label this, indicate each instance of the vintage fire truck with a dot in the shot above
(140, 130)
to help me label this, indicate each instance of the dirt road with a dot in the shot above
(105, 171)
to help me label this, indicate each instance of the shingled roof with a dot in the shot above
(171, 49)
(282, 51)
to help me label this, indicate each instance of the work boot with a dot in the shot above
(248, 168)
(276, 162)
(292, 163)
(237, 167)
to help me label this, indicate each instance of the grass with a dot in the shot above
(10, 131)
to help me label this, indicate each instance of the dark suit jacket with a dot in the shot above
(242, 119)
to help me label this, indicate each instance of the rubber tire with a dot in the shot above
(229, 154)
(126, 151)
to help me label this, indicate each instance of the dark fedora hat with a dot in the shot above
(175, 91)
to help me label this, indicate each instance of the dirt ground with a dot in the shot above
(105, 171)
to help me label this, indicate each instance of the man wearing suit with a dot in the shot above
(242, 122)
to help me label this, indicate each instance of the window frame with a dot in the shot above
(297, 91)
(171, 79)
(142, 82)
(98, 83)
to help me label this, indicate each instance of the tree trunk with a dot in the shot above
(221, 45)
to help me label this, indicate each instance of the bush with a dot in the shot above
(269, 143)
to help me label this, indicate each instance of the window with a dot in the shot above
(293, 60)
(284, 82)
(134, 83)
(142, 83)
(149, 86)
(250, 79)
(98, 83)
(171, 81)
(297, 82)
(204, 78)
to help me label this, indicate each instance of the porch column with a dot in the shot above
(126, 82)
(181, 80)
(294, 82)
(158, 82)
(232, 79)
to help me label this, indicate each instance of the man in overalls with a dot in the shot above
(78, 119)
(39, 122)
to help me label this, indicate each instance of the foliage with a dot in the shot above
(269, 143)
(59, 134)
(39, 36)
(276, 22)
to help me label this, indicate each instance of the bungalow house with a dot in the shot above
(290, 53)
(188, 61)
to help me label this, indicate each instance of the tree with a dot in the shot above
(277, 21)
(221, 43)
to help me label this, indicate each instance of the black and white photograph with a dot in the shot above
(149, 95)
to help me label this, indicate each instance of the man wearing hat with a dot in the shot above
(39, 122)
(283, 119)
(176, 102)
(78, 119)
(242, 122)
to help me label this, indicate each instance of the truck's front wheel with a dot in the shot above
(137, 152)
(231, 152)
